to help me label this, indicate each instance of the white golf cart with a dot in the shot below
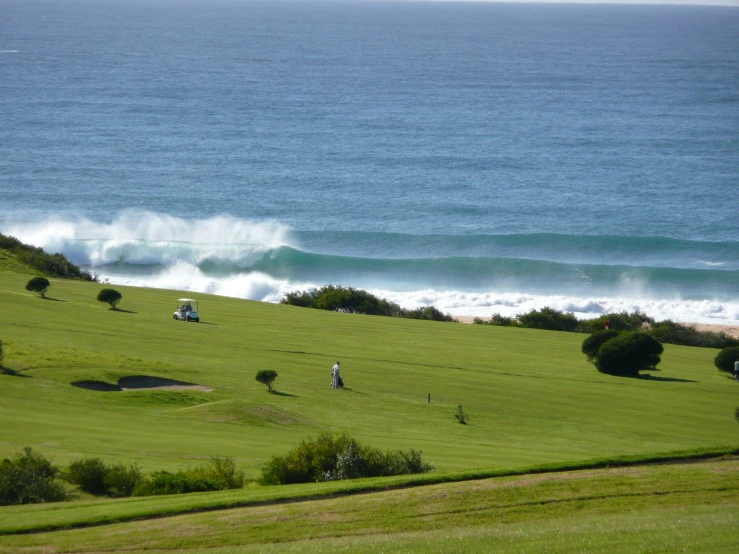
(187, 310)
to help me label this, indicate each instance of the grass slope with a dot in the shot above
(530, 395)
(663, 508)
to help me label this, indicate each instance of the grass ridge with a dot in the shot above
(208, 502)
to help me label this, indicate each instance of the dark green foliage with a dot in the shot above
(623, 321)
(725, 359)
(549, 318)
(121, 480)
(218, 474)
(428, 313)
(110, 296)
(39, 285)
(267, 377)
(628, 354)
(27, 478)
(591, 344)
(357, 301)
(53, 265)
(330, 458)
(461, 416)
(88, 474)
(674, 333)
(94, 476)
(164, 482)
(497, 319)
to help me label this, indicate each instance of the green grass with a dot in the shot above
(530, 395)
(662, 508)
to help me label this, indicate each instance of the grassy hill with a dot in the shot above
(530, 394)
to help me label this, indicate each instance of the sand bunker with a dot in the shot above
(140, 382)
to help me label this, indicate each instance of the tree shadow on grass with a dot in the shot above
(208, 323)
(52, 299)
(122, 311)
(278, 393)
(648, 377)
(12, 372)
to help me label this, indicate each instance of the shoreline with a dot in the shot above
(731, 330)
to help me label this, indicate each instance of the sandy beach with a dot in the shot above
(731, 330)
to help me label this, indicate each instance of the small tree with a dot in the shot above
(461, 416)
(628, 354)
(267, 377)
(725, 359)
(39, 285)
(110, 296)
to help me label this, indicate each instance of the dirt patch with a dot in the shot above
(140, 382)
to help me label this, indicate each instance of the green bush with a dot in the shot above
(623, 321)
(54, 265)
(591, 344)
(628, 353)
(164, 482)
(550, 319)
(330, 458)
(725, 359)
(356, 301)
(28, 478)
(218, 474)
(674, 333)
(121, 480)
(110, 296)
(39, 285)
(267, 377)
(88, 474)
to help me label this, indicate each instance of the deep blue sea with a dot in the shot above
(483, 158)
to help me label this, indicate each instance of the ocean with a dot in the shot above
(483, 158)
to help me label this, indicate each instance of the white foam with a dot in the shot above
(141, 237)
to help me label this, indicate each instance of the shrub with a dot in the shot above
(591, 344)
(675, 333)
(330, 458)
(164, 482)
(427, 313)
(54, 265)
(121, 480)
(623, 321)
(550, 319)
(222, 471)
(110, 296)
(460, 415)
(628, 354)
(88, 475)
(267, 377)
(725, 359)
(28, 477)
(39, 285)
(503, 321)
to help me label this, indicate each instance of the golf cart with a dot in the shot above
(187, 310)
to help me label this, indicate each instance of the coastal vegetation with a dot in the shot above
(666, 332)
(726, 359)
(51, 265)
(356, 301)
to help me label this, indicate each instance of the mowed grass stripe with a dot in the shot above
(687, 505)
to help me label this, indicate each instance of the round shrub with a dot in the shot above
(550, 319)
(88, 475)
(267, 377)
(110, 296)
(39, 285)
(628, 354)
(591, 344)
(725, 359)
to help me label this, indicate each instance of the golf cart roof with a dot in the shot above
(186, 300)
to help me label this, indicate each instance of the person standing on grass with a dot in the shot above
(335, 376)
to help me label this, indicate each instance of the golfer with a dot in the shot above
(335, 375)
